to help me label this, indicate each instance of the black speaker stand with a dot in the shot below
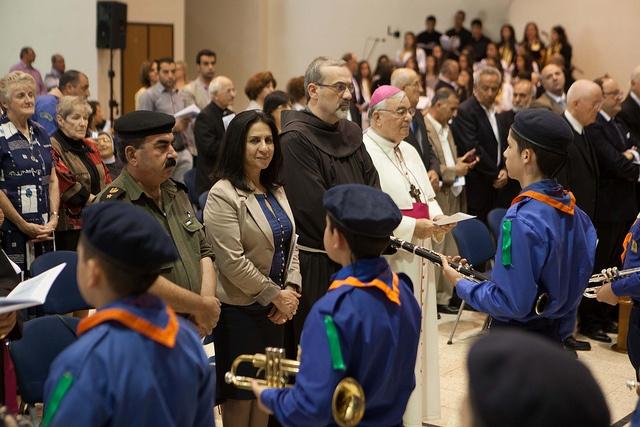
(113, 104)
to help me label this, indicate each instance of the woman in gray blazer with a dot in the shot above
(249, 223)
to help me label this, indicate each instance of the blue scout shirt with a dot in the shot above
(45, 113)
(547, 244)
(135, 364)
(629, 285)
(378, 326)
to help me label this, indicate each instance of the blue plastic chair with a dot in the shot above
(494, 218)
(43, 339)
(190, 182)
(476, 245)
(64, 296)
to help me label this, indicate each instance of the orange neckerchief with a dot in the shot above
(165, 336)
(548, 201)
(392, 294)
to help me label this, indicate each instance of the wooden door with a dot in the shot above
(144, 42)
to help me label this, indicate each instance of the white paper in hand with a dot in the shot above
(191, 112)
(452, 219)
(31, 292)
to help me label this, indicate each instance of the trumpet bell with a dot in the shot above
(348, 403)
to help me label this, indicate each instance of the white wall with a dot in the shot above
(63, 26)
(604, 35)
(283, 36)
(69, 27)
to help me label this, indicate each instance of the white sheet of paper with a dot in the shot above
(31, 292)
(451, 219)
(189, 112)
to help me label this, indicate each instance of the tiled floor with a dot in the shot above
(611, 370)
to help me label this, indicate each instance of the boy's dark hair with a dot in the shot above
(548, 163)
(361, 246)
(204, 52)
(123, 280)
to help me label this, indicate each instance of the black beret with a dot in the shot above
(544, 129)
(128, 235)
(139, 124)
(362, 210)
(520, 379)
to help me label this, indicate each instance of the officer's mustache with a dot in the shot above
(171, 162)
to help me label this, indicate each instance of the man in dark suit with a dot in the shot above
(617, 186)
(408, 80)
(479, 41)
(478, 126)
(581, 175)
(630, 113)
(553, 98)
(460, 36)
(357, 105)
(209, 130)
(429, 37)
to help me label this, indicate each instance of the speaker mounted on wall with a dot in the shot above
(111, 25)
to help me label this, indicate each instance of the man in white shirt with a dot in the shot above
(197, 91)
(553, 98)
(453, 169)
(404, 177)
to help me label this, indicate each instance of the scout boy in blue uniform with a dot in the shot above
(627, 286)
(135, 362)
(546, 248)
(367, 325)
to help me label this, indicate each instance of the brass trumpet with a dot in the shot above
(348, 403)
(591, 291)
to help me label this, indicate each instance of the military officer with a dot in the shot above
(145, 148)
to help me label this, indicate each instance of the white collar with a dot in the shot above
(381, 141)
(488, 111)
(436, 125)
(635, 98)
(575, 124)
(605, 115)
(557, 99)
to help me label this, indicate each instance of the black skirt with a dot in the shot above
(242, 330)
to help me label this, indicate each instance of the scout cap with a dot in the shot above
(129, 235)
(521, 379)
(362, 210)
(139, 124)
(543, 129)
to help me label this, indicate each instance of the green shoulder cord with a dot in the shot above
(506, 243)
(334, 344)
(63, 386)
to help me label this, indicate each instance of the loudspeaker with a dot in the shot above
(112, 25)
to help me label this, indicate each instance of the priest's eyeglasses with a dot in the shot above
(401, 112)
(339, 87)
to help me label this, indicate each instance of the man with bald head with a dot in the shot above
(630, 113)
(553, 98)
(581, 175)
(408, 81)
(209, 129)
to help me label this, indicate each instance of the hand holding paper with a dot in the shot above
(452, 219)
(31, 292)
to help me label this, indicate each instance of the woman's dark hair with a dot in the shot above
(382, 59)
(528, 65)
(295, 88)
(525, 40)
(274, 100)
(358, 76)
(548, 163)
(511, 41)
(94, 109)
(230, 163)
(145, 70)
(257, 82)
(361, 246)
(562, 35)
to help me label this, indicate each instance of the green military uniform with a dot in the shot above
(177, 217)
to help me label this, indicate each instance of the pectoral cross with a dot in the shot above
(415, 193)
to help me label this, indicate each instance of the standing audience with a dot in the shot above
(197, 91)
(30, 195)
(72, 83)
(27, 58)
(258, 87)
(274, 104)
(148, 78)
(52, 78)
